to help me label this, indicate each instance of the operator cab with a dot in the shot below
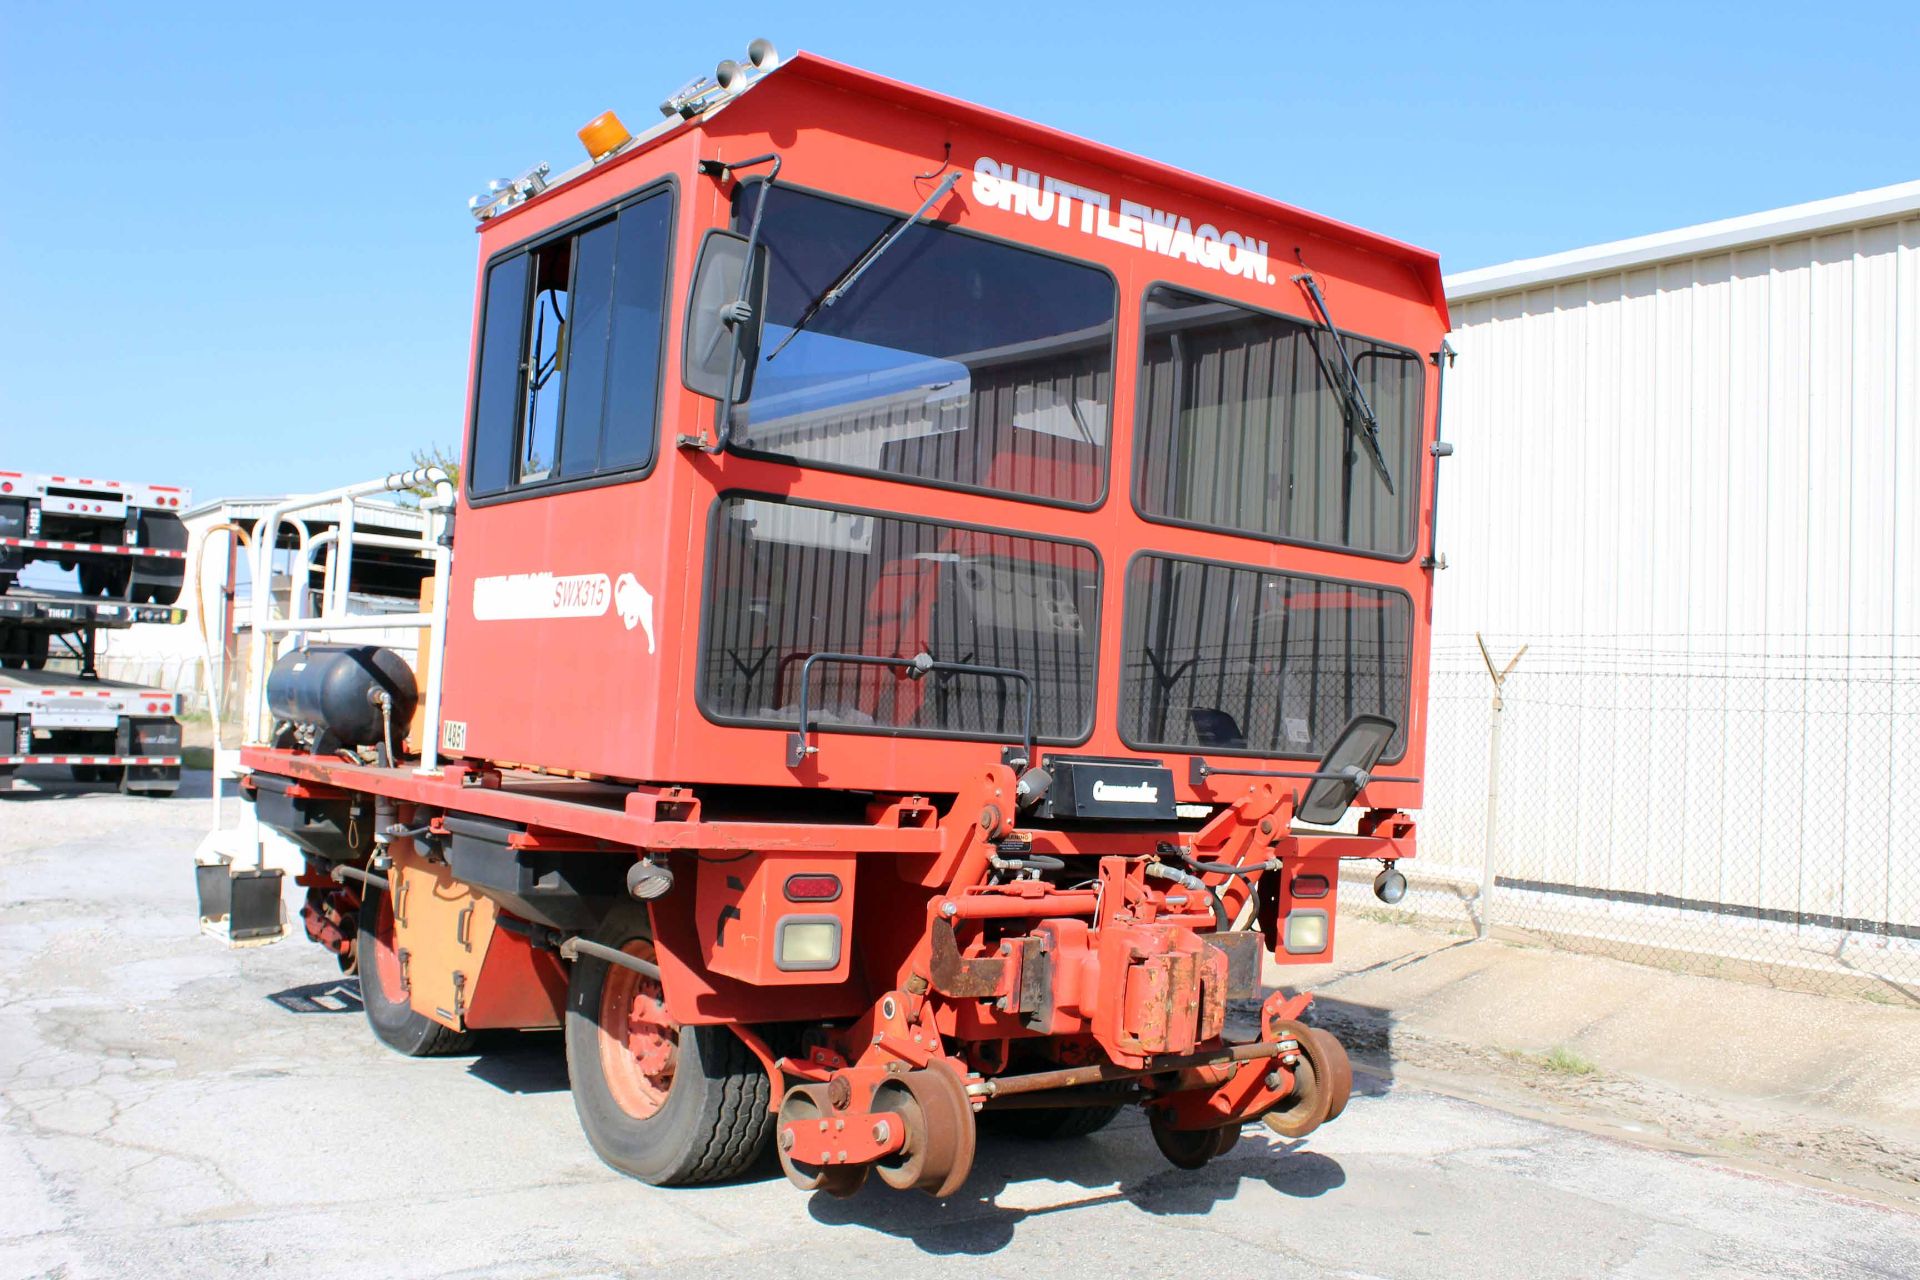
(991, 434)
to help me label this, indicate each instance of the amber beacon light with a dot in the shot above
(603, 135)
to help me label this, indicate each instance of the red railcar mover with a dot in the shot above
(928, 603)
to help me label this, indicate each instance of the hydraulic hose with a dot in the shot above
(1229, 869)
(1185, 880)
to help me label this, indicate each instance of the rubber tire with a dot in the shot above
(1049, 1124)
(714, 1124)
(161, 593)
(107, 580)
(396, 1025)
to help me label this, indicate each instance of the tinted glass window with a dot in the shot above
(788, 580)
(570, 363)
(497, 399)
(588, 327)
(1244, 427)
(639, 324)
(1220, 658)
(952, 360)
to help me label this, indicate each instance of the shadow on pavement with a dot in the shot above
(521, 1061)
(55, 782)
(974, 1222)
(341, 995)
(1367, 1033)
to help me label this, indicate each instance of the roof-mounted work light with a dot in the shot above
(502, 193)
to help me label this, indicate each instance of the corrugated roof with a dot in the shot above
(1882, 204)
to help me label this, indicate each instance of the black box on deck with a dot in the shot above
(243, 904)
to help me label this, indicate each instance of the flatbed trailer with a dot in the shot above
(123, 539)
(932, 603)
(34, 624)
(103, 730)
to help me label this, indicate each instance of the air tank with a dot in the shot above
(336, 688)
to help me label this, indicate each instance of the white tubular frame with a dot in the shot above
(333, 614)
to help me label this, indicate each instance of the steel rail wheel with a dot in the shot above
(663, 1103)
(1190, 1148)
(809, 1102)
(1322, 1082)
(941, 1138)
(383, 990)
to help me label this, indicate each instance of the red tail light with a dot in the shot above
(807, 887)
(1310, 886)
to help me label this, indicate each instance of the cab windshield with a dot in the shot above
(1245, 427)
(956, 361)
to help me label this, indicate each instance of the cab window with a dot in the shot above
(790, 579)
(952, 360)
(1237, 660)
(569, 365)
(1245, 427)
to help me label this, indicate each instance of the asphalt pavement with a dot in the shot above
(172, 1108)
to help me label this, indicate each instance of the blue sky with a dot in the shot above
(234, 249)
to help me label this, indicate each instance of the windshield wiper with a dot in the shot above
(848, 278)
(1360, 418)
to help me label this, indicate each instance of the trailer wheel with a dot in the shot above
(109, 580)
(1049, 1124)
(660, 1102)
(384, 996)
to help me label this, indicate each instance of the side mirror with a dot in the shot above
(1350, 760)
(720, 283)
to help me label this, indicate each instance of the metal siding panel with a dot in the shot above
(1783, 745)
(1904, 580)
(1704, 740)
(1869, 669)
(1694, 488)
(1748, 520)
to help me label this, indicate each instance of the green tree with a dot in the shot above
(435, 455)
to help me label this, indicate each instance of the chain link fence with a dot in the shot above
(1730, 806)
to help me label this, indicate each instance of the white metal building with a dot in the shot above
(1688, 477)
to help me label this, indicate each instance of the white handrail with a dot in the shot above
(334, 615)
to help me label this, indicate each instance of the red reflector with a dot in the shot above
(6, 486)
(812, 888)
(1310, 886)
